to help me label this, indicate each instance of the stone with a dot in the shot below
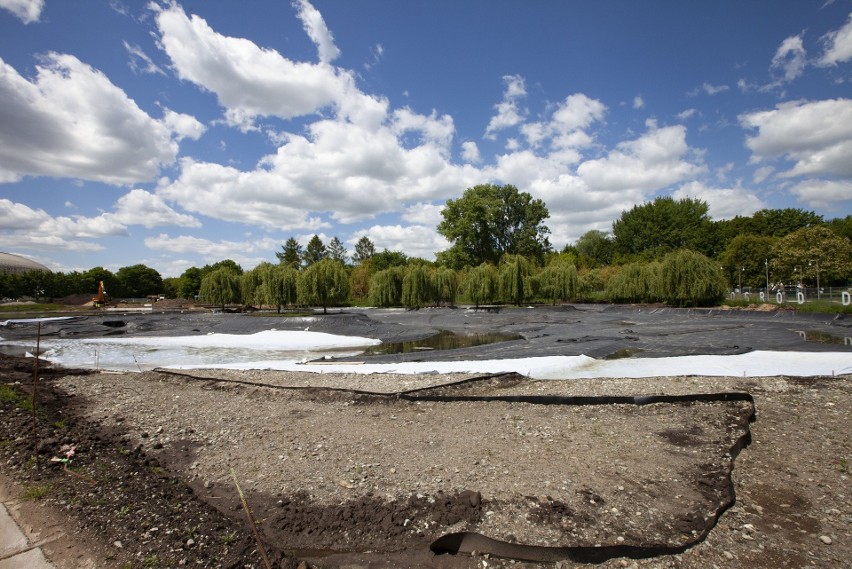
(825, 539)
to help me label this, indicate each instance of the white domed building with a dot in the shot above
(12, 264)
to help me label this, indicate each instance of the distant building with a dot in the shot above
(11, 264)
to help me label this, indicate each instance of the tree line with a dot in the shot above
(665, 250)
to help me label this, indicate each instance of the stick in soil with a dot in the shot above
(35, 393)
(251, 521)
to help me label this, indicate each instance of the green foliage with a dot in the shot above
(359, 281)
(221, 286)
(558, 281)
(387, 259)
(842, 226)
(444, 285)
(91, 279)
(364, 250)
(690, 279)
(636, 282)
(416, 287)
(489, 221)
(138, 281)
(190, 282)
(747, 254)
(480, 284)
(797, 256)
(514, 276)
(314, 252)
(250, 283)
(596, 246)
(226, 263)
(323, 283)
(386, 287)
(290, 254)
(651, 230)
(336, 251)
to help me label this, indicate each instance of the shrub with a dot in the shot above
(635, 282)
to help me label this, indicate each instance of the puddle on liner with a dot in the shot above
(444, 340)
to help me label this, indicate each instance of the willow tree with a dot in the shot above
(558, 281)
(324, 283)
(514, 274)
(221, 286)
(386, 287)
(416, 287)
(480, 284)
(636, 282)
(689, 278)
(278, 285)
(444, 285)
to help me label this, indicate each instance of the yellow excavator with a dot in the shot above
(101, 299)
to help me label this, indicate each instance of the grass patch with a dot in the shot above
(26, 308)
(12, 397)
(34, 492)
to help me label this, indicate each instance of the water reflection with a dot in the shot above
(444, 340)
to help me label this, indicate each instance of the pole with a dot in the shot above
(766, 262)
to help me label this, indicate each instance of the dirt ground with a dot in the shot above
(369, 471)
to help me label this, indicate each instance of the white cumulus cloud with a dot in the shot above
(29, 11)
(509, 113)
(837, 45)
(816, 136)
(316, 29)
(790, 58)
(723, 203)
(71, 121)
(823, 193)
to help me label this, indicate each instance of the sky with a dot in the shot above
(177, 134)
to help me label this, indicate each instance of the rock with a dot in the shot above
(825, 539)
(728, 555)
(118, 544)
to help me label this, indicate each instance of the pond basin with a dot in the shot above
(444, 340)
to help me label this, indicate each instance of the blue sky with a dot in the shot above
(179, 134)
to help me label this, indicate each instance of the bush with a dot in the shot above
(480, 284)
(386, 287)
(691, 279)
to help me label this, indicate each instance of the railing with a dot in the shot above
(794, 295)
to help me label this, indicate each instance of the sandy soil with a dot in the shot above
(371, 477)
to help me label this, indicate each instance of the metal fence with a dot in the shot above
(794, 295)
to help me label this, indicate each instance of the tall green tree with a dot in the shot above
(653, 229)
(841, 226)
(489, 221)
(597, 246)
(336, 251)
(364, 250)
(291, 253)
(90, 280)
(314, 252)
(386, 259)
(813, 251)
(138, 281)
(277, 285)
(190, 282)
(323, 283)
(744, 260)
(221, 286)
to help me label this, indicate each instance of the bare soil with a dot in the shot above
(368, 471)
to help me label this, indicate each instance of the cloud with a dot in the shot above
(723, 203)
(415, 240)
(638, 102)
(713, 89)
(816, 136)
(250, 81)
(508, 112)
(139, 62)
(214, 251)
(653, 161)
(29, 11)
(823, 193)
(762, 173)
(790, 58)
(470, 152)
(72, 122)
(424, 214)
(316, 29)
(687, 114)
(837, 45)
(139, 207)
(182, 125)
(566, 130)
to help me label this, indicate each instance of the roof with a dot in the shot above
(10, 263)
